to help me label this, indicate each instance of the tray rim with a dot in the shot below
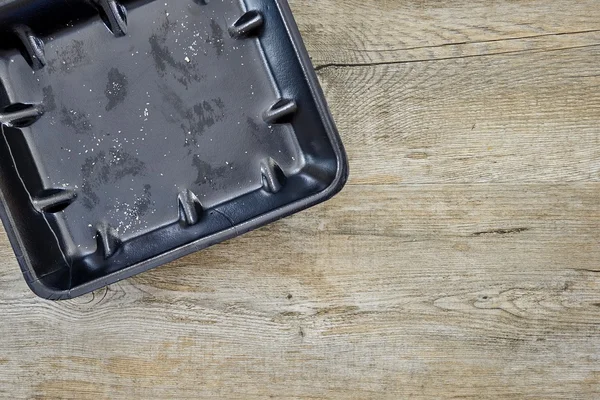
(334, 187)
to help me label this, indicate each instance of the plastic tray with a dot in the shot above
(136, 132)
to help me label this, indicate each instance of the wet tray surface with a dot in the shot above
(136, 132)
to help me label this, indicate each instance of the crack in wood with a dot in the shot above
(399, 62)
(501, 231)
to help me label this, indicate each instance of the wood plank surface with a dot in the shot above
(461, 261)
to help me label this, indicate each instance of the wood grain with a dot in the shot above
(462, 260)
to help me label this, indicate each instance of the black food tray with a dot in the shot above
(136, 132)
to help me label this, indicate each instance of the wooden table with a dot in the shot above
(462, 259)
